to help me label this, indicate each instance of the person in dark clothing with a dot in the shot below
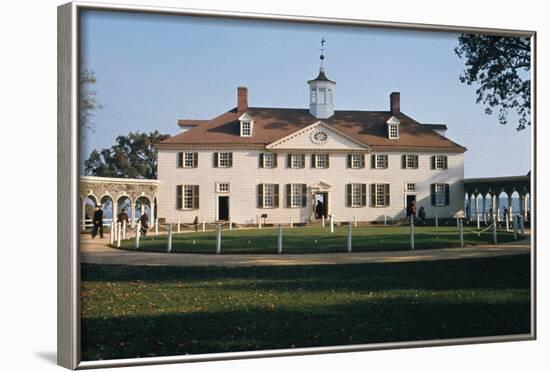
(97, 222)
(123, 217)
(319, 209)
(422, 214)
(144, 219)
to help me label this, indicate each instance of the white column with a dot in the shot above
(510, 212)
(138, 233)
(461, 228)
(483, 209)
(331, 223)
(203, 225)
(118, 227)
(132, 214)
(152, 216)
(476, 209)
(84, 214)
(179, 226)
(497, 207)
(526, 207)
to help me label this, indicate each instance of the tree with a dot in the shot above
(89, 103)
(500, 65)
(132, 156)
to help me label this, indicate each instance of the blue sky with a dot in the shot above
(155, 69)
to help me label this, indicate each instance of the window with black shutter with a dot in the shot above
(261, 160)
(179, 197)
(180, 159)
(260, 195)
(276, 195)
(215, 159)
(304, 195)
(348, 195)
(363, 194)
(195, 197)
(447, 195)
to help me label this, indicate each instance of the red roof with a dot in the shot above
(272, 124)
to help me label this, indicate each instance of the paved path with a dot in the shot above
(97, 252)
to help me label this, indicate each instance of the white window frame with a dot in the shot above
(322, 95)
(409, 158)
(313, 96)
(246, 128)
(329, 96)
(440, 161)
(188, 160)
(408, 187)
(356, 194)
(439, 190)
(269, 160)
(380, 195)
(222, 187)
(379, 161)
(269, 195)
(356, 160)
(223, 157)
(393, 131)
(318, 161)
(296, 195)
(296, 161)
(188, 196)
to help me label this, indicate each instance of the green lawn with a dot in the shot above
(316, 240)
(157, 311)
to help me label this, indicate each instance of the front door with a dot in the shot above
(321, 204)
(411, 200)
(223, 208)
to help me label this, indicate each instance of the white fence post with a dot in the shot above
(124, 230)
(457, 223)
(118, 234)
(280, 240)
(218, 239)
(230, 224)
(461, 228)
(156, 226)
(349, 236)
(354, 221)
(411, 233)
(331, 223)
(436, 220)
(477, 217)
(507, 222)
(203, 225)
(495, 229)
(323, 220)
(111, 234)
(291, 222)
(138, 232)
(179, 226)
(169, 247)
(385, 220)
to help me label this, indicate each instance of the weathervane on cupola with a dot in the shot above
(321, 90)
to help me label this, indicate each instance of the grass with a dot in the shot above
(132, 311)
(315, 240)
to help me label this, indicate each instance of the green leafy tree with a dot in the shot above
(132, 156)
(500, 66)
(89, 104)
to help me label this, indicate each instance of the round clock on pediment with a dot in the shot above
(319, 137)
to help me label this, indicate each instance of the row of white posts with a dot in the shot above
(120, 232)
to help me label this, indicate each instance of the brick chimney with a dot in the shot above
(242, 99)
(395, 103)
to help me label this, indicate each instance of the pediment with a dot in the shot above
(317, 136)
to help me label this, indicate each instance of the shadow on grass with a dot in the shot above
(493, 273)
(463, 298)
(261, 329)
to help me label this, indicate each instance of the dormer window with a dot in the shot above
(394, 131)
(246, 125)
(393, 127)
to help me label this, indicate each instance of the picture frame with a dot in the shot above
(68, 232)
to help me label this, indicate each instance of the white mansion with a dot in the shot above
(299, 164)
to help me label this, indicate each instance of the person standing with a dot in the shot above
(97, 222)
(144, 220)
(123, 217)
(422, 214)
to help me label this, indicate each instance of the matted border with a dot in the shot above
(68, 244)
